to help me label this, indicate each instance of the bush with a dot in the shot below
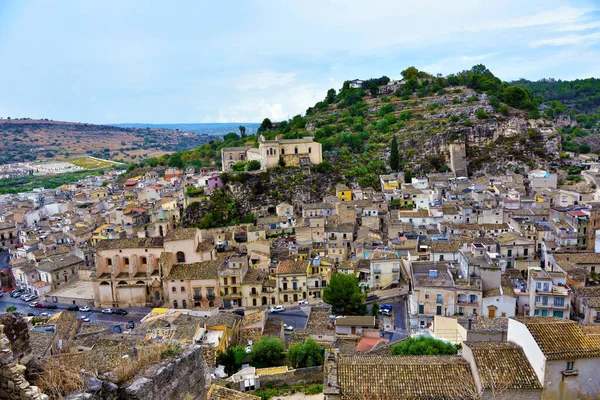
(307, 354)
(267, 352)
(11, 308)
(481, 114)
(422, 345)
(253, 165)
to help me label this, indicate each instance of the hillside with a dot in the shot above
(27, 140)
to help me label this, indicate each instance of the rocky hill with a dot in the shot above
(28, 139)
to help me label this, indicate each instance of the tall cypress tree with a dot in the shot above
(394, 160)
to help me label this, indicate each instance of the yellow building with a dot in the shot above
(388, 182)
(291, 281)
(106, 231)
(343, 193)
(317, 278)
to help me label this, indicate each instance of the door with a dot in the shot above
(438, 310)
(353, 330)
(492, 313)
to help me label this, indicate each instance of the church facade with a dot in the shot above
(294, 152)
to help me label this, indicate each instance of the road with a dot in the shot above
(96, 317)
(293, 316)
(399, 314)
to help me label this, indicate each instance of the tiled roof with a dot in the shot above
(503, 365)
(292, 267)
(577, 258)
(217, 392)
(318, 206)
(198, 270)
(204, 247)
(560, 339)
(116, 244)
(392, 377)
(223, 318)
(181, 234)
(58, 262)
(355, 321)
(445, 247)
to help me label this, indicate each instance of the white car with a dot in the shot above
(108, 311)
(85, 318)
(277, 309)
(85, 309)
(288, 328)
(303, 303)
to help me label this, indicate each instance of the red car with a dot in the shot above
(41, 304)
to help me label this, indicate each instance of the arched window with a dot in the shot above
(295, 150)
(126, 260)
(183, 304)
(231, 156)
(108, 261)
(122, 283)
(242, 157)
(254, 302)
(182, 289)
(310, 149)
(144, 260)
(174, 303)
(104, 283)
(282, 151)
(140, 283)
(174, 289)
(285, 298)
(180, 257)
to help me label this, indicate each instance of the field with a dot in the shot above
(92, 163)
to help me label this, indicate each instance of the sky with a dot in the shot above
(241, 61)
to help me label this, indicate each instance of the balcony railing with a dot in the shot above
(377, 270)
(396, 269)
(210, 296)
(290, 289)
(198, 298)
(232, 295)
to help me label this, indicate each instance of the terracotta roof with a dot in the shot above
(223, 318)
(355, 321)
(418, 377)
(367, 344)
(181, 234)
(217, 392)
(116, 244)
(292, 267)
(560, 339)
(503, 365)
(445, 247)
(197, 270)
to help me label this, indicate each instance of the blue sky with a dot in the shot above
(240, 61)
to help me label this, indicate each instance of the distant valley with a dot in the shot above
(213, 129)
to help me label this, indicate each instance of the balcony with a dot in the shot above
(210, 296)
(289, 289)
(232, 295)
(377, 270)
(197, 298)
(396, 269)
(314, 287)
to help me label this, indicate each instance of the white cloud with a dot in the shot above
(265, 80)
(548, 17)
(568, 40)
(578, 27)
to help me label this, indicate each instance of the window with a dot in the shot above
(295, 150)
(438, 310)
(175, 304)
(536, 312)
(570, 365)
(438, 299)
(183, 304)
(421, 309)
(461, 311)
(180, 257)
(144, 260)
(538, 285)
(544, 300)
(108, 261)
(183, 290)
(233, 280)
(174, 289)
(126, 260)
(559, 301)
(525, 252)
(426, 296)
(546, 287)
(557, 314)
(509, 252)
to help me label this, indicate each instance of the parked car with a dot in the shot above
(45, 314)
(303, 303)
(385, 307)
(130, 325)
(277, 309)
(85, 309)
(385, 312)
(23, 296)
(41, 304)
(108, 311)
(33, 304)
(16, 293)
(239, 311)
(85, 318)
(288, 328)
(32, 314)
(120, 311)
(73, 308)
(51, 306)
(117, 329)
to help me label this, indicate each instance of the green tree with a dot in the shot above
(253, 165)
(481, 114)
(408, 176)
(232, 359)
(344, 295)
(242, 131)
(422, 345)
(266, 352)
(330, 98)
(394, 159)
(375, 309)
(11, 308)
(266, 125)
(231, 136)
(175, 161)
(410, 73)
(514, 96)
(307, 354)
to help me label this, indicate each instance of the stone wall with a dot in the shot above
(186, 377)
(13, 385)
